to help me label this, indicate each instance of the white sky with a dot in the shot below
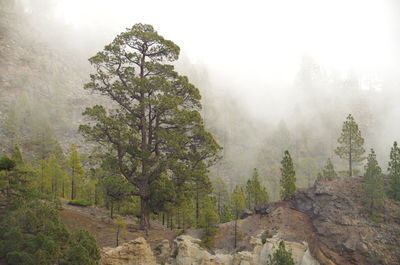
(254, 43)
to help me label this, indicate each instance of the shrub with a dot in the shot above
(78, 202)
(82, 250)
(32, 234)
(281, 256)
(265, 235)
(208, 238)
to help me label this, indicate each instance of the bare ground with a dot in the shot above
(101, 226)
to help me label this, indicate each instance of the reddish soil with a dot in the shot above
(98, 223)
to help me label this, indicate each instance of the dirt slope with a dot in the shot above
(97, 222)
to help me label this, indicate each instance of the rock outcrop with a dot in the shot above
(188, 251)
(343, 230)
(135, 252)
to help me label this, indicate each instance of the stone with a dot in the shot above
(135, 252)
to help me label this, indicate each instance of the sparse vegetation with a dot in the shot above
(281, 256)
(78, 202)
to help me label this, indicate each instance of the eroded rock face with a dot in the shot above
(188, 251)
(344, 233)
(135, 252)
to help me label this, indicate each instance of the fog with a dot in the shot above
(262, 66)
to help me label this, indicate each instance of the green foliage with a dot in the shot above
(373, 186)
(208, 219)
(281, 256)
(120, 229)
(208, 237)
(288, 179)
(55, 175)
(266, 234)
(238, 201)
(116, 189)
(76, 171)
(394, 172)
(16, 156)
(82, 249)
(227, 214)
(351, 143)
(209, 216)
(328, 172)
(78, 202)
(155, 127)
(6, 163)
(32, 234)
(220, 191)
(255, 193)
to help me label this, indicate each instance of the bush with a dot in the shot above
(82, 250)
(208, 238)
(281, 256)
(265, 235)
(78, 202)
(32, 234)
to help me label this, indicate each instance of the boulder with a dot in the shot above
(135, 252)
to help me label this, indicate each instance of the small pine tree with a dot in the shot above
(328, 172)
(82, 250)
(76, 170)
(208, 219)
(255, 193)
(226, 214)
(238, 204)
(281, 256)
(16, 156)
(373, 186)
(394, 172)
(351, 143)
(288, 180)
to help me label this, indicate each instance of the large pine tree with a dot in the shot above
(373, 186)
(154, 126)
(288, 179)
(394, 172)
(351, 143)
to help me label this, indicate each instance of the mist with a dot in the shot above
(273, 75)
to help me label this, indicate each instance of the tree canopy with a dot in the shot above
(351, 143)
(288, 179)
(155, 125)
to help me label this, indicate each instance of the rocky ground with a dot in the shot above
(325, 224)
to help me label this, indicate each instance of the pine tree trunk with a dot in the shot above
(73, 185)
(144, 215)
(118, 231)
(236, 231)
(197, 208)
(350, 158)
(112, 210)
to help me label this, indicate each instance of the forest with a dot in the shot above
(144, 132)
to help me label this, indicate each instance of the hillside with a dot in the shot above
(40, 81)
(328, 216)
(328, 219)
